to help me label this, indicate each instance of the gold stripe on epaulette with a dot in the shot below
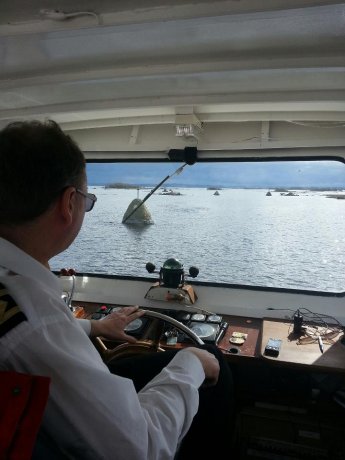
(3, 306)
(6, 315)
(10, 313)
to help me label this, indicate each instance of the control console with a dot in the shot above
(208, 327)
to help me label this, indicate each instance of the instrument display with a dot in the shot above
(206, 326)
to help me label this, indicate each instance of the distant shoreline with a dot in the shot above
(126, 186)
(121, 185)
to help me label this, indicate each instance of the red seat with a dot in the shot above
(23, 399)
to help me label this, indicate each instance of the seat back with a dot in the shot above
(23, 399)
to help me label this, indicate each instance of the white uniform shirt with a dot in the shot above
(91, 412)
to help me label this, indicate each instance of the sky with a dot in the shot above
(288, 174)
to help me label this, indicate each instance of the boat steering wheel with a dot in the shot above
(145, 344)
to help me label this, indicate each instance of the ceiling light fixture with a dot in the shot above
(188, 126)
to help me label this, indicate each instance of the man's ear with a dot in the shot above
(67, 204)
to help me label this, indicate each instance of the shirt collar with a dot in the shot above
(18, 261)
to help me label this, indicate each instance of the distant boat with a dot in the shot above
(216, 193)
(141, 216)
(268, 193)
(170, 192)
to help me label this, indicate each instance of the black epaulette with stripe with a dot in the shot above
(10, 314)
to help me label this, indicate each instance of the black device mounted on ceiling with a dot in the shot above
(187, 155)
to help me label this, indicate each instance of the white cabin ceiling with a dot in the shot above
(144, 63)
(19, 12)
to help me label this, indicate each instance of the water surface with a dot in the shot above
(241, 236)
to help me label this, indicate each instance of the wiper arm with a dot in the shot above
(178, 171)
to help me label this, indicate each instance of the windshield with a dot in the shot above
(273, 224)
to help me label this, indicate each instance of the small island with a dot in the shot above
(337, 197)
(120, 185)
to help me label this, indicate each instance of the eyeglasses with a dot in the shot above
(90, 199)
